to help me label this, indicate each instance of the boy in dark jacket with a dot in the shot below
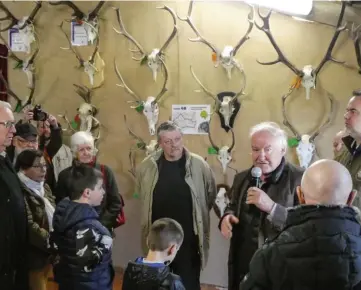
(152, 273)
(82, 243)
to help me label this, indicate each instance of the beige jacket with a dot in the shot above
(201, 181)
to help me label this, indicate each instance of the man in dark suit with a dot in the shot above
(13, 273)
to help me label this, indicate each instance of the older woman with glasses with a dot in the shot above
(40, 207)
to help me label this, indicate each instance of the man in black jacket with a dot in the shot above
(257, 213)
(13, 273)
(320, 247)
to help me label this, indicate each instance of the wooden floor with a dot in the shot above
(117, 285)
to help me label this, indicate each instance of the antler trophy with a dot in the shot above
(89, 66)
(149, 107)
(356, 37)
(308, 74)
(25, 25)
(156, 57)
(90, 20)
(306, 148)
(223, 153)
(141, 145)
(227, 104)
(227, 56)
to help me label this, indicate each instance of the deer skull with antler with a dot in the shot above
(89, 66)
(149, 107)
(227, 107)
(141, 145)
(25, 25)
(223, 153)
(305, 148)
(156, 57)
(227, 56)
(308, 74)
(90, 20)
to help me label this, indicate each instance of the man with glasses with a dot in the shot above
(257, 213)
(13, 221)
(178, 184)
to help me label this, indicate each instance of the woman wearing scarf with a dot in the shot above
(84, 152)
(40, 207)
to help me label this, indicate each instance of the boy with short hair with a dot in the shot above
(152, 273)
(82, 243)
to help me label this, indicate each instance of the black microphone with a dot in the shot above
(256, 173)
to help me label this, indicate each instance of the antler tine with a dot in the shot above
(209, 135)
(208, 92)
(356, 37)
(328, 120)
(285, 119)
(246, 36)
(32, 15)
(123, 31)
(281, 57)
(132, 163)
(9, 16)
(97, 42)
(131, 132)
(199, 38)
(175, 28)
(81, 61)
(164, 89)
(241, 91)
(94, 13)
(77, 12)
(83, 92)
(8, 90)
(67, 121)
(233, 140)
(134, 95)
(339, 29)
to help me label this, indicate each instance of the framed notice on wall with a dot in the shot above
(192, 119)
(16, 41)
(79, 35)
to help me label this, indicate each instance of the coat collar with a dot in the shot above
(350, 144)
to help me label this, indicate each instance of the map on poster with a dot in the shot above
(193, 119)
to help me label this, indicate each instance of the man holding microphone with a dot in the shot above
(259, 199)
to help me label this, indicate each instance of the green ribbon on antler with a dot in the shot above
(18, 107)
(74, 125)
(19, 65)
(212, 151)
(139, 108)
(293, 142)
(135, 195)
(144, 60)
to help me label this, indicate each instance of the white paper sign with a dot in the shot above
(79, 36)
(192, 119)
(16, 41)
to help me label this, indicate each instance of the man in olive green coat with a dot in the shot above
(350, 154)
(178, 184)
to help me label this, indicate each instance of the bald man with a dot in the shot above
(320, 246)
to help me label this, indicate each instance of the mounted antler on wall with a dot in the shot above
(227, 56)
(305, 148)
(356, 37)
(149, 107)
(25, 26)
(156, 57)
(141, 145)
(89, 66)
(308, 74)
(90, 20)
(223, 153)
(227, 104)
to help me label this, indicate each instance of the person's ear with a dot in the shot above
(171, 249)
(301, 197)
(351, 197)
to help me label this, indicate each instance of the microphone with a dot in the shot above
(256, 173)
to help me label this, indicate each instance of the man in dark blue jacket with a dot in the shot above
(81, 241)
(320, 246)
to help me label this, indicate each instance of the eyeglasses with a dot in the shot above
(8, 124)
(28, 141)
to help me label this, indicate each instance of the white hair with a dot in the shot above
(274, 129)
(81, 138)
(5, 105)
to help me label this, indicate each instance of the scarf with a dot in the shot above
(38, 189)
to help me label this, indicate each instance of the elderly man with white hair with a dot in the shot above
(320, 247)
(257, 210)
(84, 152)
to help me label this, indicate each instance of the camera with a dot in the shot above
(39, 114)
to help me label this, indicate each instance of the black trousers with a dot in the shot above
(187, 264)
